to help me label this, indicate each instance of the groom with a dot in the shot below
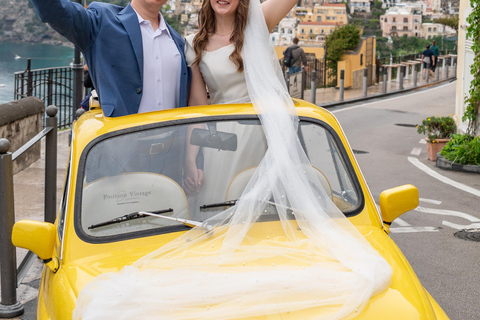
(136, 60)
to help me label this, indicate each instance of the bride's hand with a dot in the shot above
(194, 179)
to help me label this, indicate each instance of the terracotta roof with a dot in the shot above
(321, 23)
(333, 5)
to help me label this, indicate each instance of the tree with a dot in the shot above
(342, 39)
(450, 21)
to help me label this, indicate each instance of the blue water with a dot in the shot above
(41, 55)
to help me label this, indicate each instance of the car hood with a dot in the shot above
(404, 299)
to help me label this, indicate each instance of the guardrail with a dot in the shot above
(54, 86)
(11, 276)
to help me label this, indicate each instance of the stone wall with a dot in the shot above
(20, 121)
(357, 79)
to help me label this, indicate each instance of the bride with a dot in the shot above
(316, 261)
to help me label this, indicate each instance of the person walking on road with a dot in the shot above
(298, 57)
(436, 52)
(428, 60)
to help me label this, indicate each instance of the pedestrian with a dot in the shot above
(135, 59)
(298, 57)
(88, 85)
(436, 52)
(427, 59)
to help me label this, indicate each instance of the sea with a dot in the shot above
(13, 58)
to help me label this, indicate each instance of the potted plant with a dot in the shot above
(438, 130)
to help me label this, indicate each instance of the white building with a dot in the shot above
(430, 30)
(286, 32)
(417, 7)
(359, 6)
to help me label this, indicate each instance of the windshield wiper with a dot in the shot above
(130, 216)
(188, 223)
(229, 203)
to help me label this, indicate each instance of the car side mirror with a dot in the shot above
(38, 237)
(396, 201)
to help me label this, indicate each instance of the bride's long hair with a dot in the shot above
(206, 23)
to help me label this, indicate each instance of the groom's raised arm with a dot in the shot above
(70, 19)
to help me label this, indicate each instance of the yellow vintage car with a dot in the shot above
(120, 167)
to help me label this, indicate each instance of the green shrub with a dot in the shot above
(437, 127)
(462, 149)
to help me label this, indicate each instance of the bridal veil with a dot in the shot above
(317, 261)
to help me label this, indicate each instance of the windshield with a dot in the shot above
(142, 171)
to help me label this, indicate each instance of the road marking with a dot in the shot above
(430, 201)
(463, 215)
(412, 229)
(416, 151)
(459, 226)
(383, 101)
(451, 213)
(443, 179)
(423, 141)
(402, 222)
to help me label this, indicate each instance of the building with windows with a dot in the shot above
(399, 21)
(285, 32)
(326, 12)
(430, 30)
(314, 33)
(359, 6)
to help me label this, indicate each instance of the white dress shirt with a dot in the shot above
(161, 68)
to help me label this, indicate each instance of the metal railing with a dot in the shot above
(54, 86)
(11, 276)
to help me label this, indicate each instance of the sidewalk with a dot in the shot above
(29, 203)
(332, 95)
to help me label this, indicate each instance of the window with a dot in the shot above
(405, 28)
(319, 18)
(311, 31)
(429, 29)
(405, 19)
(328, 17)
(394, 19)
(303, 31)
(415, 27)
(323, 31)
(394, 28)
(434, 29)
(429, 37)
(386, 20)
(361, 59)
(331, 30)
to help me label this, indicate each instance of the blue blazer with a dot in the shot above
(110, 39)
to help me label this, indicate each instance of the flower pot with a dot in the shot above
(435, 146)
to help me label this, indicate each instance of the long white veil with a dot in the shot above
(317, 262)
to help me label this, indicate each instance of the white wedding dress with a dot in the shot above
(225, 85)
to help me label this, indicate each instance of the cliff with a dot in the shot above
(19, 22)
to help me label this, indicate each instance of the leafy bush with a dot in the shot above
(437, 127)
(463, 149)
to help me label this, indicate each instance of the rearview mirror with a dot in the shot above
(212, 138)
(396, 201)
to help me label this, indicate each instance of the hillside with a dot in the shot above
(19, 22)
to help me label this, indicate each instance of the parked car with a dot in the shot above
(119, 167)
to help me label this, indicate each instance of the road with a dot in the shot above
(391, 153)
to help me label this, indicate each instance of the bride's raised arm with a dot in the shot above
(276, 10)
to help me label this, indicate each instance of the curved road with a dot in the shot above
(392, 153)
